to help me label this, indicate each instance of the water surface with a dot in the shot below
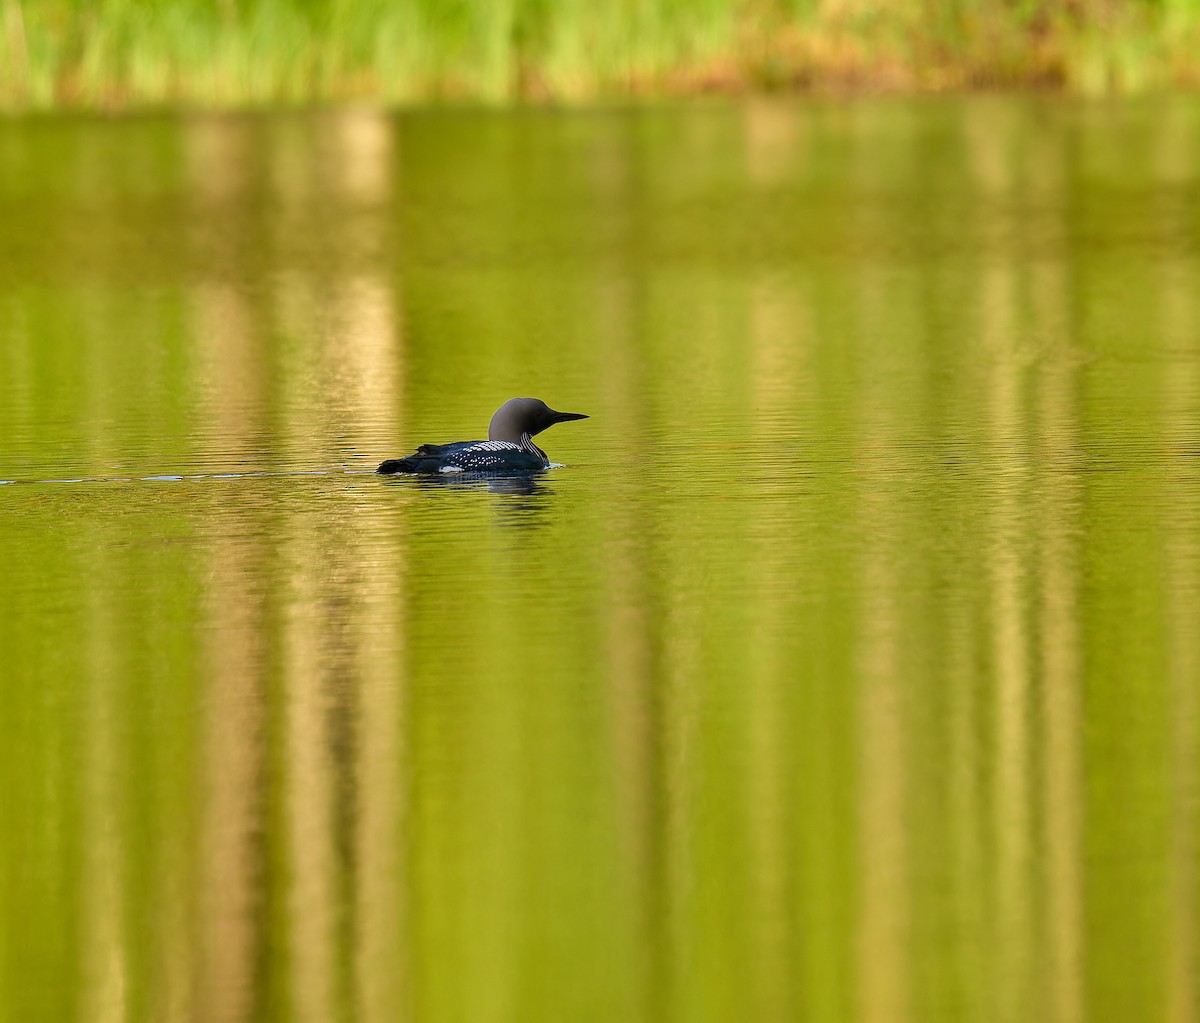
(848, 668)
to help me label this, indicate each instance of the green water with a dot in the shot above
(848, 669)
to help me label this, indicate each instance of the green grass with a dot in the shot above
(116, 53)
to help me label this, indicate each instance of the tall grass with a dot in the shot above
(102, 53)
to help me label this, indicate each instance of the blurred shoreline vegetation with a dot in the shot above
(107, 54)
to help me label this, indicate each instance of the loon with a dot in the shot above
(509, 447)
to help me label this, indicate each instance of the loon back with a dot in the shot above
(468, 456)
(509, 447)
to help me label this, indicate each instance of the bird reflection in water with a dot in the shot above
(525, 495)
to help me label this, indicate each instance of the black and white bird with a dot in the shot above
(509, 447)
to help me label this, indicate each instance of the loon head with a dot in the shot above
(525, 416)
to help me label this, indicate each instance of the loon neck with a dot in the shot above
(527, 444)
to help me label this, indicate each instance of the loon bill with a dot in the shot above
(509, 447)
